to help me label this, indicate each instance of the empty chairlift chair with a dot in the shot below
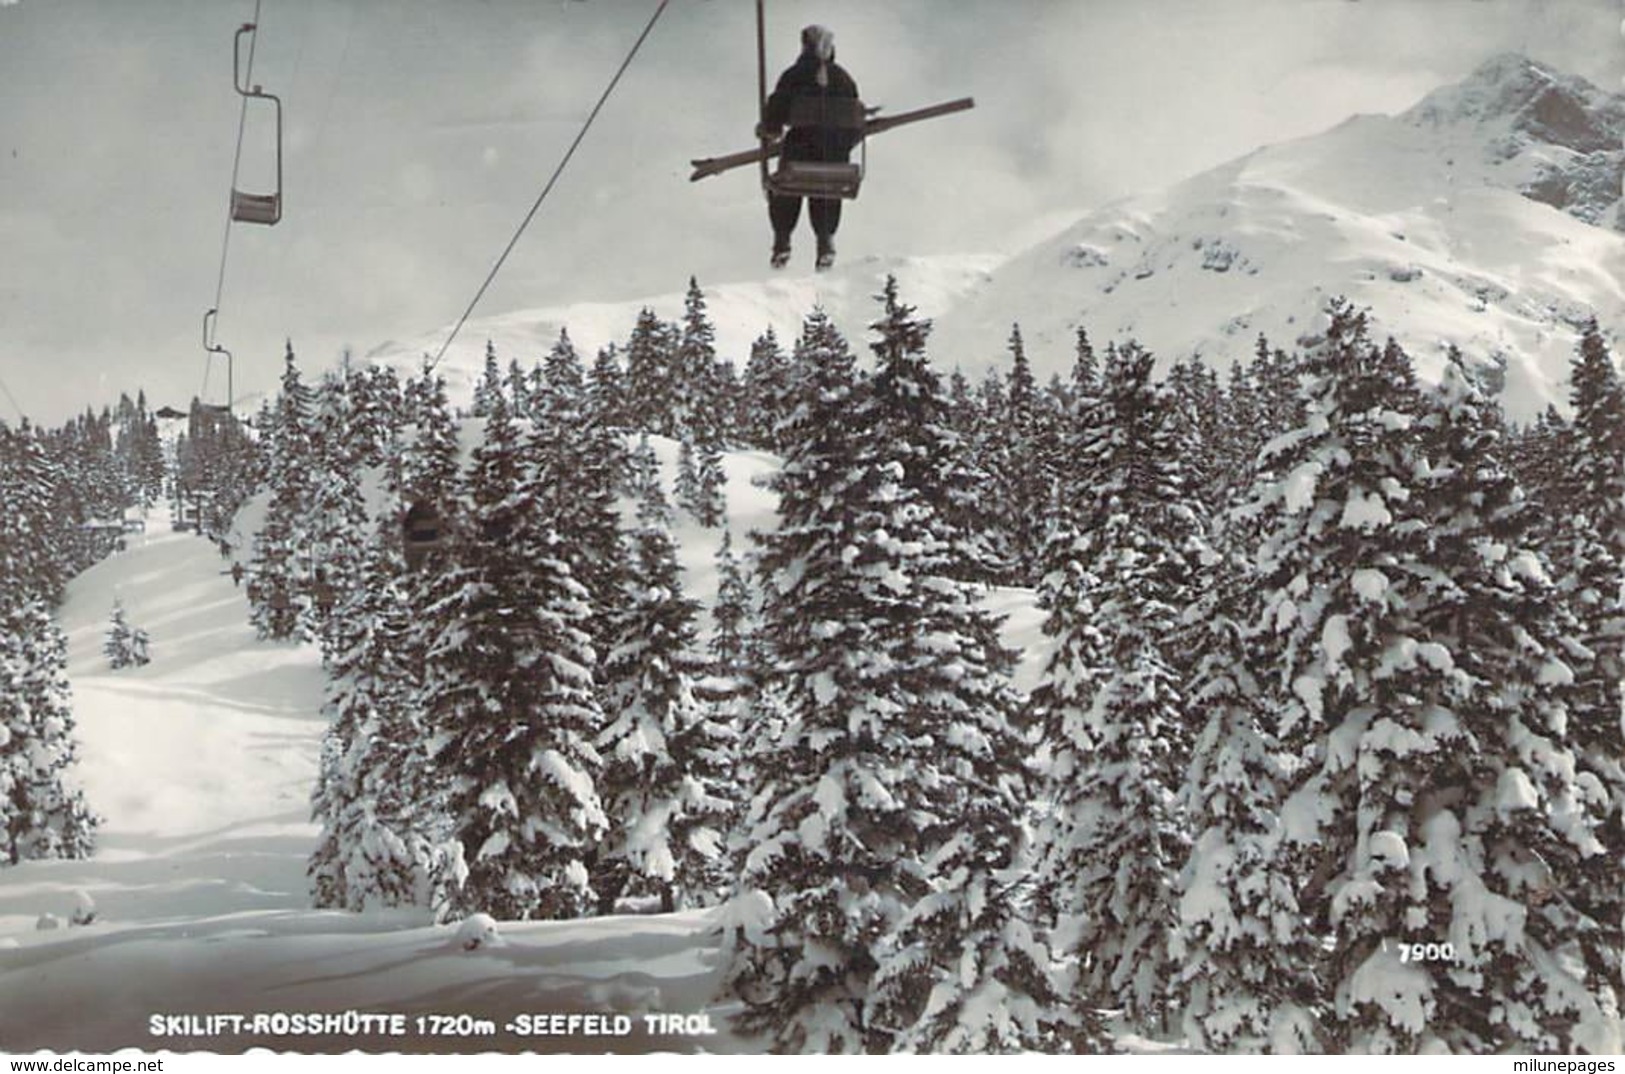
(213, 348)
(256, 208)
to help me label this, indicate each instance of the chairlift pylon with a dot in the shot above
(245, 207)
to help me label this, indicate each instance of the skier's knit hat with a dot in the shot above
(819, 42)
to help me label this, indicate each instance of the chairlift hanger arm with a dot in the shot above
(874, 125)
(241, 86)
(209, 343)
(767, 140)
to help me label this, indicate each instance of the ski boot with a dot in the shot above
(781, 251)
(826, 255)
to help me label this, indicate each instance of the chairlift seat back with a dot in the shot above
(822, 178)
(256, 208)
(821, 110)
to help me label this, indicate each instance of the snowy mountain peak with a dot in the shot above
(1559, 138)
(1485, 217)
(1542, 105)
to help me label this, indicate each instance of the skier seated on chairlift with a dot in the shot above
(814, 74)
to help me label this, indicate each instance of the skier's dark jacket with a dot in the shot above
(801, 80)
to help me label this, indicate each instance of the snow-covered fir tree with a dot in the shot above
(696, 402)
(1055, 404)
(37, 529)
(732, 645)
(379, 414)
(335, 420)
(508, 695)
(1415, 682)
(666, 783)
(1112, 707)
(490, 385)
(336, 537)
(1513, 845)
(561, 390)
(1249, 960)
(414, 394)
(574, 469)
(429, 464)
(966, 487)
(606, 392)
(700, 482)
(524, 392)
(1539, 454)
(42, 813)
(823, 828)
(766, 388)
(1006, 434)
(885, 826)
(961, 970)
(980, 415)
(279, 588)
(1586, 521)
(1335, 540)
(1281, 401)
(1237, 446)
(735, 654)
(1084, 379)
(143, 452)
(1015, 459)
(730, 406)
(1246, 978)
(1075, 428)
(126, 645)
(685, 486)
(1201, 419)
(650, 354)
(383, 839)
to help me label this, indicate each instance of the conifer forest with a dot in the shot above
(1323, 748)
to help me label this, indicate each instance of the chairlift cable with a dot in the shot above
(237, 157)
(14, 404)
(550, 182)
(236, 165)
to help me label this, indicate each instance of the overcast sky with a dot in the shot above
(418, 133)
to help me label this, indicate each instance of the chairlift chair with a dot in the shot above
(815, 179)
(245, 207)
(820, 178)
(420, 533)
(214, 348)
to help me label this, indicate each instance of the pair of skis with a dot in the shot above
(874, 125)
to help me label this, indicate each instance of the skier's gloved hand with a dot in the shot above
(766, 133)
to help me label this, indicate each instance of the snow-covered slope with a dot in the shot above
(202, 763)
(739, 311)
(1464, 220)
